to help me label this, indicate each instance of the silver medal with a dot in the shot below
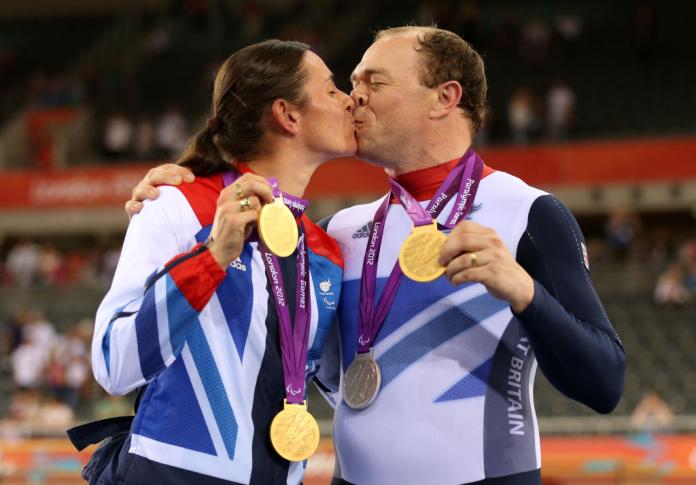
(361, 381)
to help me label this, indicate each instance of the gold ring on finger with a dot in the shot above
(245, 203)
(472, 259)
(240, 192)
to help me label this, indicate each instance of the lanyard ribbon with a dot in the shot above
(293, 338)
(461, 182)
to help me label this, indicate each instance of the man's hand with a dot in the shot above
(476, 253)
(237, 211)
(169, 174)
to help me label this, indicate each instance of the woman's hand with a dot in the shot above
(237, 212)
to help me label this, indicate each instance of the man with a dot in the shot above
(457, 355)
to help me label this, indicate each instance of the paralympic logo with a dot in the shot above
(294, 391)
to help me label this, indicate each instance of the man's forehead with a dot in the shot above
(388, 54)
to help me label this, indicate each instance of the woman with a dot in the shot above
(212, 336)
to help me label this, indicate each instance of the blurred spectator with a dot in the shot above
(662, 245)
(38, 330)
(670, 288)
(621, 229)
(50, 265)
(69, 364)
(25, 406)
(144, 139)
(652, 414)
(22, 262)
(560, 108)
(12, 335)
(118, 136)
(157, 40)
(688, 257)
(535, 42)
(253, 23)
(28, 362)
(568, 29)
(29, 263)
(54, 416)
(109, 261)
(522, 115)
(171, 133)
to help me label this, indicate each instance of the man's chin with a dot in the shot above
(365, 156)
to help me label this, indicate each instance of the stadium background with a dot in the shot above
(593, 100)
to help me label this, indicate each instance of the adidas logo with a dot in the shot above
(363, 231)
(237, 264)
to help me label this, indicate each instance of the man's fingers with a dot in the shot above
(168, 174)
(133, 207)
(470, 227)
(477, 274)
(466, 261)
(463, 242)
(143, 192)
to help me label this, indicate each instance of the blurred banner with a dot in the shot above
(596, 163)
(643, 459)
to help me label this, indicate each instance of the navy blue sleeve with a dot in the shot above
(324, 223)
(575, 344)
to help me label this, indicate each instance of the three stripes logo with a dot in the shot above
(364, 231)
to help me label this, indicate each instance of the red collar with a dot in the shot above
(423, 183)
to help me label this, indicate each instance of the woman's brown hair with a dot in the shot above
(246, 85)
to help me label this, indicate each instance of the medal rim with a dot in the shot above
(432, 229)
(289, 218)
(353, 365)
(283, 451)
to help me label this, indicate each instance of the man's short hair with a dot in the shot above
(448, 57)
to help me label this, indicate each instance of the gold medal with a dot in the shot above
(295, 432)
(420, 253)
(278, 229)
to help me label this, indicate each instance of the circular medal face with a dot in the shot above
(278, 229)
(295, 433)
(361, 381)
(420, 253)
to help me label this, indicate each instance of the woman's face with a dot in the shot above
(327, 118)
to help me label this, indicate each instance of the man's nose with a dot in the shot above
(359, 97)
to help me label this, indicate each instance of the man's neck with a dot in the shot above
(428, 155)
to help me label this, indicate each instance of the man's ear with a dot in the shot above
(286, 116)
(448, 96)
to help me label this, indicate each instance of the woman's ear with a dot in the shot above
(286, 116)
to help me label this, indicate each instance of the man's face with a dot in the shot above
(390, 101)
(327, 119)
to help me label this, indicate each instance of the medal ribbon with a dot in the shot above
(293, 338)
(463, 182)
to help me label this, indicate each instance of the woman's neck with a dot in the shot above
(293, 173)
